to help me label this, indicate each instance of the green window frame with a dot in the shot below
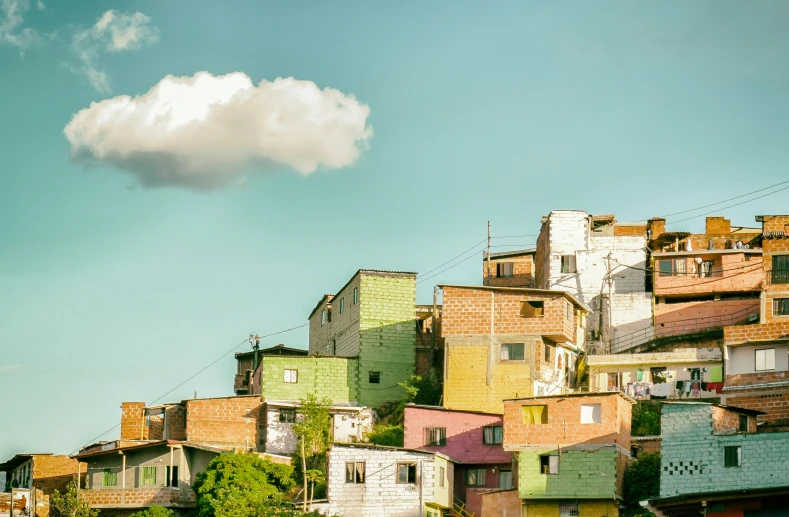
(109, 477)
(148, 476)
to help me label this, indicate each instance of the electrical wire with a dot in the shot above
(725, 200)
(453, 258)
(730, 206)
(450, 267)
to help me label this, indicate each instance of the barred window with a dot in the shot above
(568, 509)
(148, 477)
(435, 435)
(109, 477)
(287, 416)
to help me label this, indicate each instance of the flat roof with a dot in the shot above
(736, 409)
(158, 443)
(511, 253)
(18, 459)
(442, 408)
(370, 272)
(525, 290)
(274, 350)
(749, 251)
(379, 447)
(578, 394)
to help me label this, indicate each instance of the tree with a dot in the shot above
(154, 511)
(423, 390)
(68, 503)
(241, 485)
(646, 418)
(386, 434)
(642, 482)
(313, 430)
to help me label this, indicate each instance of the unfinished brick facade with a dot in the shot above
(235, 421)
(133, 421)
(509, 269)
(500, 502)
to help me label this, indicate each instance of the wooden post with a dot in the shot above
(304, 471)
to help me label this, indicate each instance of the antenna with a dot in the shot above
(254, 341)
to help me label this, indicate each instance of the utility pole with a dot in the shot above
(489, 273)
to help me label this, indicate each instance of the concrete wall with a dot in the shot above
(583, 474)
(444, 495)
(347, 426)
(742, 359)
(586, 508)
(464, 434)
(336, 378)
(380, 493)
(692, 457)
(387, 336)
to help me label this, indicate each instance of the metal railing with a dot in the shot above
(778, 276)
(459, 508)
(681, 327)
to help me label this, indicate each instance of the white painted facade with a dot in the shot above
(742, 359)
(380, 494)
(349, 424)
(620, 302)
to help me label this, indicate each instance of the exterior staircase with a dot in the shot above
(459, 509)
(650, 338)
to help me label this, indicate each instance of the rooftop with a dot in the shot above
(525, 290)
(442, 408)
(378, 447)
(274, 350)
(19, 459)
(752, 412)
(580, 394)
(749, 251)
(511, 253)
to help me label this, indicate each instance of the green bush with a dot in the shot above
(154, 511)
(642, 482)
(386, 434)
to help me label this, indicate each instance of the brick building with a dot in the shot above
(38, 475)
(601, 262)
(247, 363)
(714, 462)
(503, 342)
(472, 441)
(572, 451)
(756, 360)
(370, 480)
(509, 268)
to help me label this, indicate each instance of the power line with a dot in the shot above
(450, 267)
(453, 258)
(735, 204)
(195, 375)
(725, 200)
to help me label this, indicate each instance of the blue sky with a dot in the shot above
(114, 290)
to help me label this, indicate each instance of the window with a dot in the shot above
(765, 359)
(492, 435)
(549, 464)
(505, 479)
(534, 414)
(324, 317)
(148, 476)
(570, 312)
(375, 377)
(705, 268)
(291, 376)
(548, 353)
(287, 416)
(342, 305)
(568, 263)
(590, 413)
(732, 456)
(743, 423)
(781, 307)
(512, 351)
(354, 472)
(568, 509)
(441, 476)
(634, 452)
(476, 477)
(109, 477)
(174, 476)
(780, 272)
(355, 295)
(672, 267)
(435, 435)
(532, 308)
(504, 270)
(406, 473)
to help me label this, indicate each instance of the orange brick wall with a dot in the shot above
(522, 272)
(467, 311)
(501, 502)
(139, 497)
(630, 230)
(52, 473)
(233, 420)
(723, 419)
(133, 421)
(564, 422)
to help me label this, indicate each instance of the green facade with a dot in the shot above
(583, 474)
(692, 458)
(336, 378)
(387, 336)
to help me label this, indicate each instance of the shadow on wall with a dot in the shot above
(387, 357)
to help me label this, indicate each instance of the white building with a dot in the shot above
(371, 481)
(349, 424)
(602, 263)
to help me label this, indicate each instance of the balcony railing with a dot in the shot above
(778, 276)
(715, 272)
(682, 327)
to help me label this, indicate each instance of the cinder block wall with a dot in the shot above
(692, 458)
(336, 378)
(387, 336)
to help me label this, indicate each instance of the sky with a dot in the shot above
(174, 177)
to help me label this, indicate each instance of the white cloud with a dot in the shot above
(112, 32)
(40, 5)
(9, 367)
(11, 30)
(201, 132)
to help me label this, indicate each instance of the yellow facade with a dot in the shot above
(442, 486)
(585, 508)
(466, 387)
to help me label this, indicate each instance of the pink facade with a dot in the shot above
(680, 318)
(695, 273)
(464, 434)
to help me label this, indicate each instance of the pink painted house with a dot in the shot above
(472, 440)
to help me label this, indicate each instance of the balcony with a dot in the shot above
(778, 276)
(687, 274)
(139, 497)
